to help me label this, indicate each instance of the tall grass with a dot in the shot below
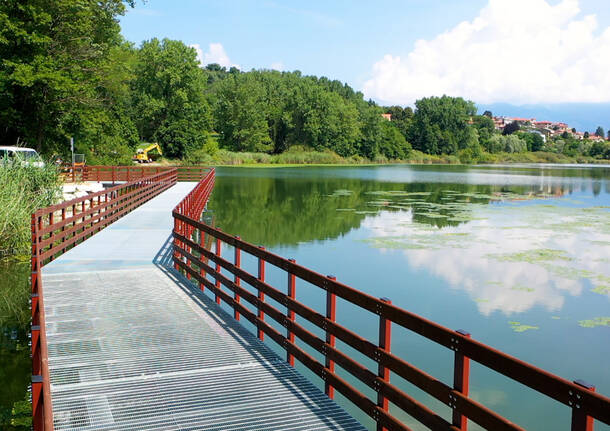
(23, 189)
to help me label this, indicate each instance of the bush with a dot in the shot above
(24, 189)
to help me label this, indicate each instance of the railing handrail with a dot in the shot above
(128, 172)
(117, 201)
(579, 396)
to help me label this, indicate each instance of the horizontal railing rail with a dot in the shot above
(128, 173)
(56, 229)
(197, 261)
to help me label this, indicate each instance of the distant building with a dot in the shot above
(543, 124)
(387, 116)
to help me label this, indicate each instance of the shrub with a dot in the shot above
(24, 189)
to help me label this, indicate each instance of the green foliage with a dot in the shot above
(533, 140)
(485, 129)
(511, 128)
(507, 144)
(393, 144)
(168, 97)
(24, 189)
(599, 132)
(401, 118)
(56, 75)
(270, 111)
(600, 150)
(440, 125)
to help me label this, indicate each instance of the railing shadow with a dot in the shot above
(262, 354)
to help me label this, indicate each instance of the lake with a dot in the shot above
(517, 255)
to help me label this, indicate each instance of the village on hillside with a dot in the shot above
(546, 129)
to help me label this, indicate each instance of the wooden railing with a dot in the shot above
(56, 229)
(128, 173)
(205, 267)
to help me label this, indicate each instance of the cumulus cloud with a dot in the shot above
(517, 51)
(278, 65)
(215, 54)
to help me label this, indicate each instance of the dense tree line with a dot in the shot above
(66, 71)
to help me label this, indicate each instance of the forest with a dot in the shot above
(66, 71)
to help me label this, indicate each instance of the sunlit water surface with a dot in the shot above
(519, 256)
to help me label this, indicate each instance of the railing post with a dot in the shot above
(176, 254)
(237, 281)
(331, 314)
(385, 343)
(461, 382)
(261, 295)
(201, 270)
(290, 312)
(37, 403)
(580, 420)
(217, 284)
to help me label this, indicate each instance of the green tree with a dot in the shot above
(401, 117)
(485, 128)
(169, 99)
(241, 114)
(393, 144)
(600, 132)
(511, 128)
(586, 135)
(440, 125)
(533, 140)
(53, 75)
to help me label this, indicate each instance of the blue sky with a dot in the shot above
(490, 51)
(339, 39)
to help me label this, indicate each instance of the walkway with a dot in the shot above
(133, 346)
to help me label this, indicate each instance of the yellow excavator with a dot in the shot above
(143, 156)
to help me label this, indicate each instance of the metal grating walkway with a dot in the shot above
(133, 347)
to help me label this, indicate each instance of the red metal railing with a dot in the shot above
(129, 173)
(195, 260)
(57, 228)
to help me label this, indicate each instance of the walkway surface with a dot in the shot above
(134, 346)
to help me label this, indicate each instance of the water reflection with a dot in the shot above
(15, 363)
(508, 259)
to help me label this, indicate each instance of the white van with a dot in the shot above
(25, 156)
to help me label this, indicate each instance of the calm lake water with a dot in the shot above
(517, 255)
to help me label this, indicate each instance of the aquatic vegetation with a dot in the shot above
(602, 289)
(393, 243)
(596, 321)
(519, 327)
(522, 288)
(341, 192)
(568, 272)
(532, 256)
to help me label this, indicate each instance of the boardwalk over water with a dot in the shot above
(134, 346)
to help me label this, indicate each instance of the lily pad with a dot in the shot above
(519, 327)
(532, 256)
(596, 321)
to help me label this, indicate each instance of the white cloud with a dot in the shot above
(278, 65)
(215, 54)
(518, 51)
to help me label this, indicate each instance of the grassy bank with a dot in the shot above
(23, 189)
(301, 157)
